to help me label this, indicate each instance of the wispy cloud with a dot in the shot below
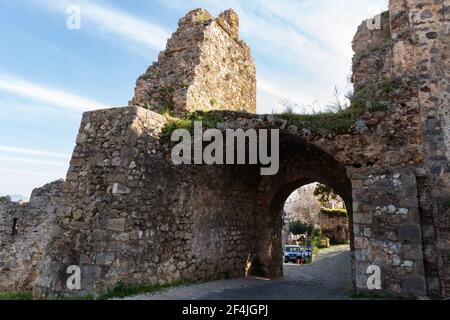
(51, 96)
(33, 161)
(26, 173)
(34, 152)
(115, 22)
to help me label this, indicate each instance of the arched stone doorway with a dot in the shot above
(301, 163)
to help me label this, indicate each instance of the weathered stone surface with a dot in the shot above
(25, 229)
(204, 67)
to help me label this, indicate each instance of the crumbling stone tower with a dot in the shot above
(204, 67)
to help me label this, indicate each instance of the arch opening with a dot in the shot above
(316, 241)
(301, 164)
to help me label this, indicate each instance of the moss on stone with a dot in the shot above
(327, 122)
(209, 120)
(387, 85)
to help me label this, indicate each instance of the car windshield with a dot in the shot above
(293, 249)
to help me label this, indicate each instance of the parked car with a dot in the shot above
(293, 253)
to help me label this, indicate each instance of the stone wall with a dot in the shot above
(417, 53)
(129, 215)
(24, 232)
(431, 34)
(387, 232)
(204, 67)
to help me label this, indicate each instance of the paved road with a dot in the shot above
(326, 279)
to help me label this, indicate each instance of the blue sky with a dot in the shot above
(50, 75)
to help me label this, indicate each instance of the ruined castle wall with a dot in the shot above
(226, 76)
(204, 67)
(24, 232)
(129, 215)
(430, 23)
(372, 60)
(417, 55)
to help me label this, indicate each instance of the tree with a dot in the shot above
(325, 194)
(302, 205)
(297, 228)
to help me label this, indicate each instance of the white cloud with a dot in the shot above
(48, 95)
(23, 169)
(34, 152)
(306, 41)
(26, 173)
(33, 161)
(114, 22)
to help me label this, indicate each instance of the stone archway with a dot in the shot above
(301, 163)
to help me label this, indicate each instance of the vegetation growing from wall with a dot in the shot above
(372, 97)
(341, 118)
(327, 122)
(209, 120)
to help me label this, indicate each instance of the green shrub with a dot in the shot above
(387, 85)
(16, 296)
(335, 213)
(297, 227)
(326, 122)
(175, 124)
(209, 120)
